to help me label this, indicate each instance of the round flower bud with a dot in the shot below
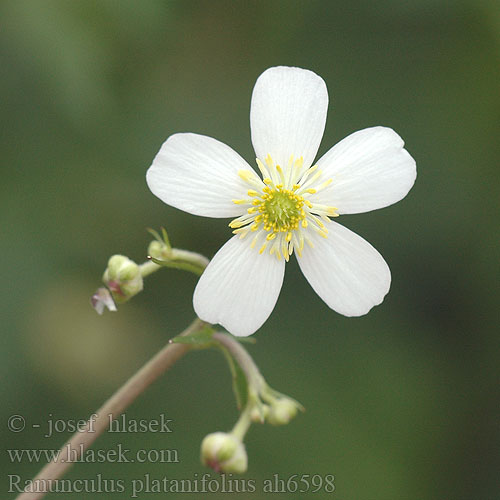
(282, 411)
(155, 249)
(123, 278)
(224, 452)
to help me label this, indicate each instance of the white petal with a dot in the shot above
(239, 288)
(345, 271)
(370, 170)
(199, 175)
(288, 114)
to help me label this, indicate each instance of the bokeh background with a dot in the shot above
(402, 403)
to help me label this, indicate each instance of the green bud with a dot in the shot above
(156, 249)
(123, 278)
(259, 413)
(282, 411)
(224, 452)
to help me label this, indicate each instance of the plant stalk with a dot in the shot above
(110, 410)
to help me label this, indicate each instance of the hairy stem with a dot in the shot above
(109, 411)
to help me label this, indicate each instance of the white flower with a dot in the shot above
(102, 299)
(289, 209)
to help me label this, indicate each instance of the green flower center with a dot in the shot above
(281, 209)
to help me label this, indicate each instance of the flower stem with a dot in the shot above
(110, 410)
(243, 424)
(245, 361)
(175, 258)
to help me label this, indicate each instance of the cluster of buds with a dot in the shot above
(222, 451)
(225, 452)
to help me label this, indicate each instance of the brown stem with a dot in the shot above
(109, 411)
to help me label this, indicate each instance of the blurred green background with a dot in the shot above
(402, 403)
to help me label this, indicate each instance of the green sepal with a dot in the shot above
(165, 237)
(162, 239)
(154, 234)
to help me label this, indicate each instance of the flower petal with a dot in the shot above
(370, 170)
(345, 271)
(199, 175)
(239, 288)
(288, 114)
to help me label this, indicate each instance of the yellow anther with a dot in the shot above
(278, 206)
(246, 175)
(261, 167)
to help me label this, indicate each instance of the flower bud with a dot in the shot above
(156, 249)
(123, 278)
(259, 413)
(282, 411)
(224, 452)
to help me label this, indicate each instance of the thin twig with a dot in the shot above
(110, 410)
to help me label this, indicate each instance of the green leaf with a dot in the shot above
(246, 340)
(201, 338)
(240, 385)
